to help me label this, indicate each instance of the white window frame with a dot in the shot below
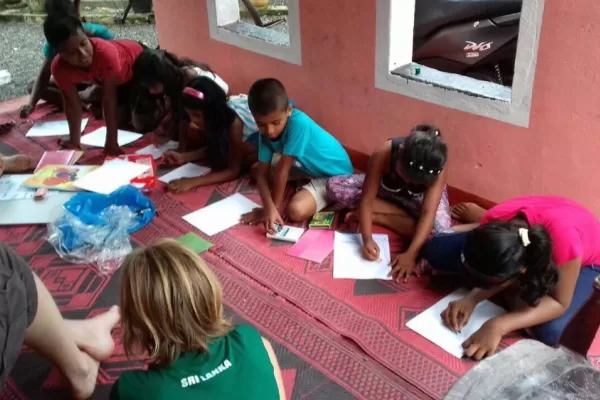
(225, 26)
(394, 44)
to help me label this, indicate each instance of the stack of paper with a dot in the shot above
(61, 157)
(98, 137)
(54, 128)
(157, 151)
(221, 215)
(111, 176)
(429, 323)
(188, 170)
(349, 263)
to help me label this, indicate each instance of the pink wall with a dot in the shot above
(335, 86)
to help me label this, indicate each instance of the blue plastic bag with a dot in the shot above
(95, 228)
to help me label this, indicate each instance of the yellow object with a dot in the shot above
(260, 3)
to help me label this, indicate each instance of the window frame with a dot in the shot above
(394, 49)
(225, 26)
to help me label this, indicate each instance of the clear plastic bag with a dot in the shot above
(104, 243)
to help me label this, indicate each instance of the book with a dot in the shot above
(61, 157)
(146, 181)
(322, 220)
(287, 234)
(58, 177)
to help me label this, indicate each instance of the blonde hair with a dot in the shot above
(171, 302)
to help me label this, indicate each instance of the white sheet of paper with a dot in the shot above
(98, 137)
(188, 170)
(111, 176)
(429, 324)
(348, 262)
(11, 188)
(221, 215)
(157, 152)
(53, 128)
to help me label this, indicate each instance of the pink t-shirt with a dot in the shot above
(575, 231)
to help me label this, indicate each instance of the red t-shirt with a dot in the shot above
(575, 231)
(113, 59)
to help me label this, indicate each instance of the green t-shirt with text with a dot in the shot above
(236, 366)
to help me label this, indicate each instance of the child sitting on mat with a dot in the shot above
(541, 252)
(403, 190)
(160, 78)
(44, 87)
(230, 147)
(172, 312)
(80, 59)
(299, 148)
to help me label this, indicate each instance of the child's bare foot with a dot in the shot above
(83, 382)
(66, 143)
(93, 335)
(467, 212)
(254, 217)
(351, 216)
(16, 164)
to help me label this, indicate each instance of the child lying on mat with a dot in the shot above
(299, 148)
(172, 312)
(540, 252)
(403, 190)
(230, 149)
(80, 59)
(44, 87)
(160, 78)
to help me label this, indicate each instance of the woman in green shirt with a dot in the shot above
(172, 310)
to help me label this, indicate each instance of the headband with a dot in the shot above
(194, 93)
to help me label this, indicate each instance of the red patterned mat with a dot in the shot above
(371, 314)
(317, 363)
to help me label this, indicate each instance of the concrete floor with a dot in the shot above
(21, 51)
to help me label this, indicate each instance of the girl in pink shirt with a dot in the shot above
(542, 251)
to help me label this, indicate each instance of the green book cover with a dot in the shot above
(322, 220)
(194, 242)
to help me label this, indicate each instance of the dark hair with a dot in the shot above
(267, 96)
(218, 117)
(424, 155)
(153, 66)
(497, 251)
(61, 23)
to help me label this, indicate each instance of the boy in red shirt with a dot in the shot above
(89, 60)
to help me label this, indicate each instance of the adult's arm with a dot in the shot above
(276, 368)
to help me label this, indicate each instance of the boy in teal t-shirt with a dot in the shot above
(299, 148)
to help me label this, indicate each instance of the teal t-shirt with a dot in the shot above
(316, 151)
(237, 366)
(92, 30)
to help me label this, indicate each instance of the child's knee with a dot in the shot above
(299, 210)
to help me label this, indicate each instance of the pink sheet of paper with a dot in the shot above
(315, 245)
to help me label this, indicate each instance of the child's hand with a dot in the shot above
(370, 250)
(174, 158)
(272, 218)
(457, 314)
(181, 185)
(485, 341)
(113, 150)
(402, 266)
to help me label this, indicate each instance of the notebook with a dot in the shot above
(287, 234)
(58, 177)
(61, 157)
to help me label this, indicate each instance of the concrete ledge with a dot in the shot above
(270, 11)
(104, 17)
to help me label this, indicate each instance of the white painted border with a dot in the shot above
(219, 15)
(387, 57)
